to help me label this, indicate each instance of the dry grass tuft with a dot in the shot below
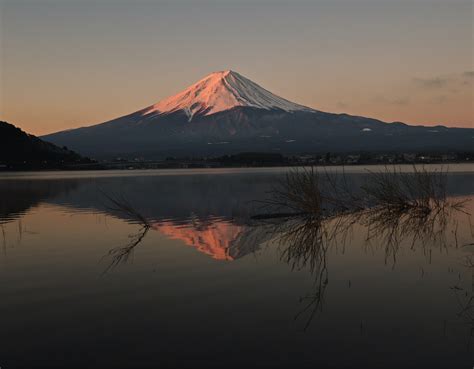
(315, 210)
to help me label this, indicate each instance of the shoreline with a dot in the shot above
(452, 168)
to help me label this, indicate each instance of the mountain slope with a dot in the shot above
(227, 113)
(20, 148)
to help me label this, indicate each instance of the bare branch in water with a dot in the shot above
(392, 204)
(465, 302)
(122, 254)
(322, 209)
(121, 205)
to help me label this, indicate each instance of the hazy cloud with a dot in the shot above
(468, 78)
(436, 82)
(452, 81)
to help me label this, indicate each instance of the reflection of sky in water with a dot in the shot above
(176, 300)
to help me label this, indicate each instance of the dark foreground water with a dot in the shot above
(85, 286)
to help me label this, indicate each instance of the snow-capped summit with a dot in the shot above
(220, 91)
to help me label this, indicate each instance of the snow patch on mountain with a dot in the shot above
(222, 91)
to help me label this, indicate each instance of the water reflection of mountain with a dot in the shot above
(175, 197)
(209, 212)
(219, 238)
(206, 212)
(180, 197)
(18, 196)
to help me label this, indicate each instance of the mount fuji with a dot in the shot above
(227, 113)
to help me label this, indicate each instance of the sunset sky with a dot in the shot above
(71, 63)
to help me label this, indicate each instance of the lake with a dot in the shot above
(85, 285)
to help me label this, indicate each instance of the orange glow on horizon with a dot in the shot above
(70, 64)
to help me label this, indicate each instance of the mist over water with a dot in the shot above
(186, 278)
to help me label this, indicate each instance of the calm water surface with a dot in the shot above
(84, 285)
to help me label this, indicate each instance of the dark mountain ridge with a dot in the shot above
(19, 149)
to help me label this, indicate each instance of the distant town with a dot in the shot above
(250, 159)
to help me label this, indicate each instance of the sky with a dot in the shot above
(72, 63)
